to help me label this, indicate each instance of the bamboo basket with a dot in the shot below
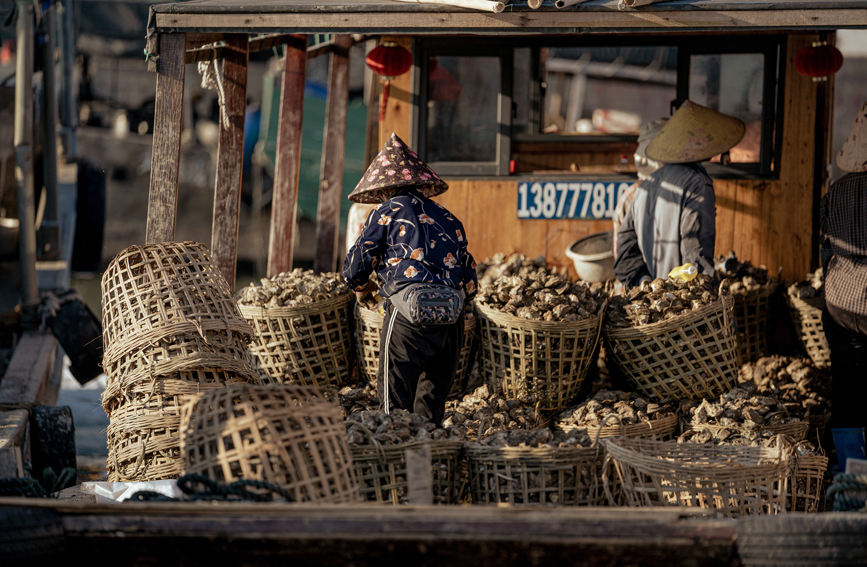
(154, 291)
(752, 310)
(795, 431)
(807, 317)
(368, 328)
(541, 363)
(727, 481)
(309, 345)
(806, 483)
(144, 438)
(183, 364)
(661, 429)
(562, 476)
(286, 435)
(692, 356)
(382, 476)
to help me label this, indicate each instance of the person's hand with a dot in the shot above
(362, 292)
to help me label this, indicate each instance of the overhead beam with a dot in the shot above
(287, 169)
(214, 50)
(333, 151)
(432, 23)
(230, 157)
(166, 154)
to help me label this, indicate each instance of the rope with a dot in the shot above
(844, 483)
(211, 79)
(235, 492)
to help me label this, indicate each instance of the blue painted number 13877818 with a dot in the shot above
(570, 200)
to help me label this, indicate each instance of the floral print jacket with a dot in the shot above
(411, 239)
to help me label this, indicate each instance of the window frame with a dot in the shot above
(448, 48)
(773, 48)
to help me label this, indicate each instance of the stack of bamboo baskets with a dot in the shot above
(171, 330)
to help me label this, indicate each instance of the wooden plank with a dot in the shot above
(398, 113)
(29, 370)
(166, 157)
(333, 151)
(13, 436)
(281, 244)
(513, 22)
(230, 158)
(725, 193)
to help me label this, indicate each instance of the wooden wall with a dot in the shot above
(765, 221)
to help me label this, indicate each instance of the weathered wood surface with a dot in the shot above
(201, 50)
(373, 535)
(13, 433)
(518, 22)
(333, 152)
(398, 113)
(284, 204)
(230, 158)
(166, 157)
(29, 373)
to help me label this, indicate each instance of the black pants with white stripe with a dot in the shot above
(420, 362)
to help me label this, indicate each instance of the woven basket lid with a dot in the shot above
(695, 133)
(853, 155)
(396, 165)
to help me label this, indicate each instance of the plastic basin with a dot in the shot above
(593, 257)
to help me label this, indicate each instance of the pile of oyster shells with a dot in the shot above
(742, 407)
(498, 414)
(743, 277)
(293, 289)
(543, 437)
(736, 437)
(812, 286)
(352, 399)
(629, 407)
(528, 289)
(792, 381)
(399, 426)
(659, 300)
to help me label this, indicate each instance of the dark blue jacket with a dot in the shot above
(411, 239)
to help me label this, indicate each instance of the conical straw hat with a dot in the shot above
(396, 165)
(853, 155)
(695, 133)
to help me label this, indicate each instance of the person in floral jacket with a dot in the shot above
(410, 239)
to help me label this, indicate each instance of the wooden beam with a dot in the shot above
(281, 244)
(230, 157)
(208, 52)
(30, 369)
(333, 150)
(166, 156)
(432, 23)
(13, 438)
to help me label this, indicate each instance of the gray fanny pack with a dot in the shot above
(429, 304)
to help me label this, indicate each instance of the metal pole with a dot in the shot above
(51, 219)
(23, 150)
(68, 117)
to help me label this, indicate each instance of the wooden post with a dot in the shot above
(230, 157)
(166, 157)
(285, 196)
(24, 152)
(333, 149)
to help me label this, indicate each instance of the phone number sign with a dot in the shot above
(569, 200)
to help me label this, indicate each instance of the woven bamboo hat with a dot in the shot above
(852, 156)
(396, 165)
(695, 133)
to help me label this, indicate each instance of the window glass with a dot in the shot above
(611, 90)
(732, 83)
(463, 108)
(521, 79)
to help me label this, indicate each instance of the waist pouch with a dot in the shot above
(429, 304)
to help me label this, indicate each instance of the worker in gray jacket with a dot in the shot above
(672, 220)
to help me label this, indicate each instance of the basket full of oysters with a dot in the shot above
(302, 325)
(539, 330)
(674, 339)
(805, 300)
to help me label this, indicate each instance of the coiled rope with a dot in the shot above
(197, 487)
(211, 79)
(843, 484)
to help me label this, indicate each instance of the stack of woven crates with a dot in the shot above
(171, 330)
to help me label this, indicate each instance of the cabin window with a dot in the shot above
(552, 107)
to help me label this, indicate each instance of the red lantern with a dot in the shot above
(388, 60)
(819, 61)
